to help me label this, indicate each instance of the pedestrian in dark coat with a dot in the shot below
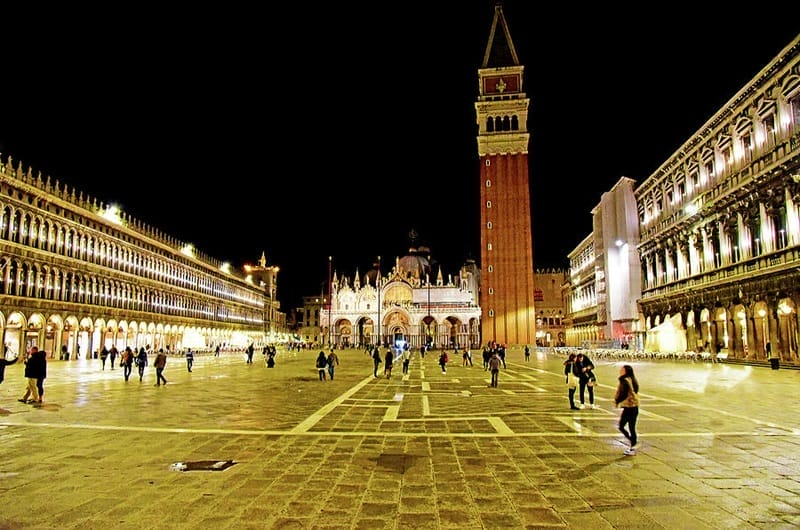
(35, 373)
(627, 398)
(322, 365)
(376, 360)
(388, 363)
(141, 362)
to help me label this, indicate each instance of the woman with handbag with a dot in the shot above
(627, 397)
(570, 371)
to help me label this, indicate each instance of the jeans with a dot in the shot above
(628, 418)
(584, 385)
(126, 370)
(160, 376)
(495, 374)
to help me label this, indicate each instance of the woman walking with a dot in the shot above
(571, 373)
(627, 397)
(322, 364)
(388, 362)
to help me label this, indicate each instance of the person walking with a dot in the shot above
(250, 351)
(494, 369)
(388, 363)
(126, 362)
(35, 367)
(570, 371)
(141, 361)
(189, 359)
(104, 356)
(527, 353)
(585, 379)
(406, 360)
(443, 361)
(160, 363)
(501, 352)
(42, 375)
(112, 354)
(376, 360)
(333, 362)
(627, 397)
(322, 363)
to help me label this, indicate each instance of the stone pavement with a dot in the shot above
(718, 447)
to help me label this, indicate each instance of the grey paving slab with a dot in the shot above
(429, 450)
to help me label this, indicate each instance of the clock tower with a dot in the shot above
(507, 290)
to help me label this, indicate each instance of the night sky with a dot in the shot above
(306, 131)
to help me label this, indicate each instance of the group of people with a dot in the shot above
(327, 363)
(579, 372)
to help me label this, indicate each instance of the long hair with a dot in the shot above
(570, 359)
(629, 373)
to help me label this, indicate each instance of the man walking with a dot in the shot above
(333, 362)
(160, 363)
(189, 359)
(34, 366)
(494, 368)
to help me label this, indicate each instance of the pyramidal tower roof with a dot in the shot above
(500, 49)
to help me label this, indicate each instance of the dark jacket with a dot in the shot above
(141, 359)
(36, 365)
(584, 369)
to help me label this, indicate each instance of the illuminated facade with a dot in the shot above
(412, 307)
(718, 229)
(506, 276)
(550, 307)
(76, 275)
(720, 224)
(604, 278)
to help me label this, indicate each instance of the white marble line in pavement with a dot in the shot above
(312, 420)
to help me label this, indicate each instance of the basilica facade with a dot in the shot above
(404, 305)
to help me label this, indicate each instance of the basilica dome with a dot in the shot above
(416, 263)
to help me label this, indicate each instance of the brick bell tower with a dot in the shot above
(507, 290)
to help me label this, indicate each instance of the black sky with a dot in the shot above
(310, 131)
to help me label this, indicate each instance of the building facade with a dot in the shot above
(506, 276)
(404, 305)
(720, 226)
(77, 275)
(602, 290)
(550, 330)
(718, 231)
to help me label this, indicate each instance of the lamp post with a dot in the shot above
(428, 320)
(330, 288)
(378, 286)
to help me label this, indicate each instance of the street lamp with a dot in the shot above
(428, 320)
(330, 287)
(378, 286)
